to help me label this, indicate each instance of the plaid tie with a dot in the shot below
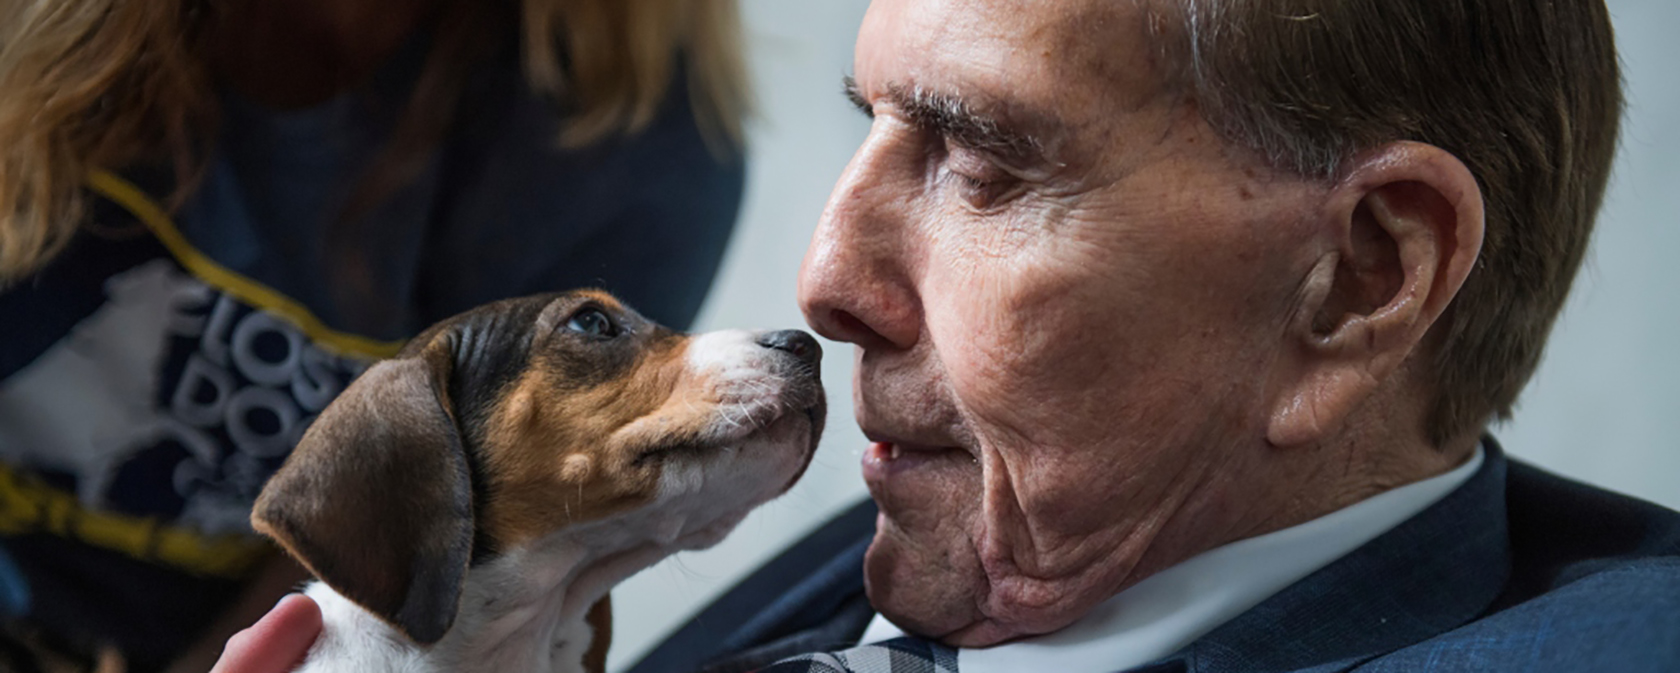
(899, 655)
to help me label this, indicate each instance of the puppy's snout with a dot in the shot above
(794, 342)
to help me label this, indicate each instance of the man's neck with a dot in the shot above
(1278, 488)
(1172, 608)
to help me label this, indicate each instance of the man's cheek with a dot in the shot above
(1022, 368)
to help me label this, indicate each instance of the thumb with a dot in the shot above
(277, 642)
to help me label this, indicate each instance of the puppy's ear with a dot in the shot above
(377, 498)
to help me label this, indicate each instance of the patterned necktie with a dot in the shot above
(908, 655)
(899, 655)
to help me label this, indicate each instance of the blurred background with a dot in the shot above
(1604, 408)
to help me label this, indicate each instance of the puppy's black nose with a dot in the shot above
(800, 344)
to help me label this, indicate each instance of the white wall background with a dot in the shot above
(1605, 407)
(804, 136)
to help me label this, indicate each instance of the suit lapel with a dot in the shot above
(783, 608)
(1429, 575)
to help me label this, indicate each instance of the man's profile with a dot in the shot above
(1178, 326)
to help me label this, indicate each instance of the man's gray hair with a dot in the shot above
(1527, 94)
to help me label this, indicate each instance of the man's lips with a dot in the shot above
(887, 459)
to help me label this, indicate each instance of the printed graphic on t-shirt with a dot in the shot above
(152, 424)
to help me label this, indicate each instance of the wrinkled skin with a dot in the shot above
(1074, 354)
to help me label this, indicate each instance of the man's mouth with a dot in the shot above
(884, 460)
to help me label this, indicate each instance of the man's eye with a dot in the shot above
(982, 193)
(983, 190)
(594, 322)
(979, 180)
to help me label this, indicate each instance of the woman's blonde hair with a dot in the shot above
(102, 84)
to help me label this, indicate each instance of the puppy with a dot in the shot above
(467, 505)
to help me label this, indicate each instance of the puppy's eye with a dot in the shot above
(594, 322)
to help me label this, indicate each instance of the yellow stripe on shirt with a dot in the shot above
(29, 506)
(251, 292)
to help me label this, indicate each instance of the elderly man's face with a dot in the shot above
(1067, 297)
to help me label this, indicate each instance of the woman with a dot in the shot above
(214, 213)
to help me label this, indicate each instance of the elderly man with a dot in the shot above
(1178, 325)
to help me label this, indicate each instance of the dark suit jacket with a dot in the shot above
(1518, 570)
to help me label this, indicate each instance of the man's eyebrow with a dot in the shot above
(849, 86)
(953, 118)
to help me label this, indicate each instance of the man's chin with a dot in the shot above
(930, 591)
(930, 582)
(937, 606)
(923, 570)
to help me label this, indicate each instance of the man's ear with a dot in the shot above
(377, 498)
(1408, 224)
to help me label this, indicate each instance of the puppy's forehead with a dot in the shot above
(488, 349)
(529, 312)
(562, 304)
(508, 328)
(597, 295)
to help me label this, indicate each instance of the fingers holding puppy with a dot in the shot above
(277, 643)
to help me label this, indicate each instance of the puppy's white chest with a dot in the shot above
(354, 641)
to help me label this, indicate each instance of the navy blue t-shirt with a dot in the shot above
(156, 373)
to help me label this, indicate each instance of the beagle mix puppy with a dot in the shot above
(467, 504)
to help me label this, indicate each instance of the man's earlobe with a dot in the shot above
(1409, 227)
(377, 499)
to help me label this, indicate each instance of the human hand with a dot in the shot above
(277, 642)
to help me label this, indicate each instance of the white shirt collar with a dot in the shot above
(1168, 610)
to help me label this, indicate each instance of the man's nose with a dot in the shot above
(856, 284)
